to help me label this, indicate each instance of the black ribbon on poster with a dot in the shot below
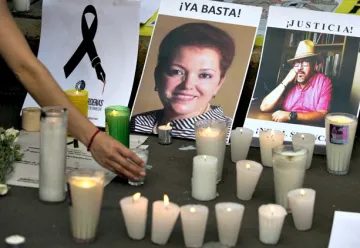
(87, 46)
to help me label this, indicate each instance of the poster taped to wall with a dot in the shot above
(196, 65)
(307, 70)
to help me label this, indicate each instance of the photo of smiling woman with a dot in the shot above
(191, 67)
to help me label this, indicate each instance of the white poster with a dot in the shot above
(95, 41)
(307, 70)
(196, 65)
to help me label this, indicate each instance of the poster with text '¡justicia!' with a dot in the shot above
(196, 65)
(307, 70)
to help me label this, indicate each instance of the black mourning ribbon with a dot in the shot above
(86, 46)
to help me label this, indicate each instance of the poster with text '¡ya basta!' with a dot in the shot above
(91, 45)
(196, 65)
(306, 71)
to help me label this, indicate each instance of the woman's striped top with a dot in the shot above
(181, 128)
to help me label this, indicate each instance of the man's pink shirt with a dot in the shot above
(314, 97)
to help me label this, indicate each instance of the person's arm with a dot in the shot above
(271, 100)
(43, 88)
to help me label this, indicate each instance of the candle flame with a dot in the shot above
(228, 209)
(192, 210)
(168, 125)
(136, 196)
(302, 136)
(272, 210)
(248, 166)
(302, 192)
(241, 130)
(77, 92)
(166, 201)
(205, 157)
(272, 132)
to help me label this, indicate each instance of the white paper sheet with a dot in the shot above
(26, 171)
(147, 9)
(345, 230)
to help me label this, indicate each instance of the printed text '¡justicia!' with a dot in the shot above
(319, 26)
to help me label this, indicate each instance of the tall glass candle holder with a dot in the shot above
(211, 140)
(143, 154)
(80, 99)
(289, 170)
(117, 123)
(86, 189)
(53, 139)
(340, 135)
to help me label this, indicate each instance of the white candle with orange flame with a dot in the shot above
(268, 140)
(134, 209)
(247, 176)
(164, 216)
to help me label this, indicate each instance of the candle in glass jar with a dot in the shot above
(134, 209)
(269, 139)
(21, 5)
(164, 134)
(306, 140)
(289, 170)
(31, 119)
(204, 179)
(271, 220)
(53, 148)
(241, 139)
(80, 99)
(117, 123)
(247, 176)
(86, 189)
(194, 219)
(164, 216)
(229, 217)
(301, 203)
(211, 140)
(340, 136)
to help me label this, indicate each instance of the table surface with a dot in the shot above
(47, 225)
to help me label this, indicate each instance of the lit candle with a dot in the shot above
(164, 216)
(271, 220)
(340, 135)
(194, 219)
(247, 176)
(289, 170)
(211, 140)
(268, 140)
(117, 123)
(134, 209)
(86, 189)
(15, 241)
(164, 134)
(204, 178)
(301, 203)
(31, 119)
(80, 99)
(229, 217)
(306, 140)
(240, 143)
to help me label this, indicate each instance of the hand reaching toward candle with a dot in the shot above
(115, 157)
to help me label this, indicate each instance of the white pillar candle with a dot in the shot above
(229, 217)
(340, 135)
(194, 220)
(271, 220)
(268, 140)
(53, 148)
(165, 214)
(241, 139)
(204, 178)
(306, 140)
(301, 203)
(247, 176)
(134, 209)
(289, 171)
(86, 193)
(211, 140)
(21, 5)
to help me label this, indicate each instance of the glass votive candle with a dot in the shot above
(86, 189)
(117, 120)
(340, 135)
(210, 138)
(143, 154)
(289, 164)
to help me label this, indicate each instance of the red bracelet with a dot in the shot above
(92, 139)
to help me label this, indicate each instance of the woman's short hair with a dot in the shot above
(200, 35)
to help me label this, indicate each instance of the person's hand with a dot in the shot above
(281, 116)
(289, 77)
(115, 157)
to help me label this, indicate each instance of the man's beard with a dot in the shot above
(301, 77)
